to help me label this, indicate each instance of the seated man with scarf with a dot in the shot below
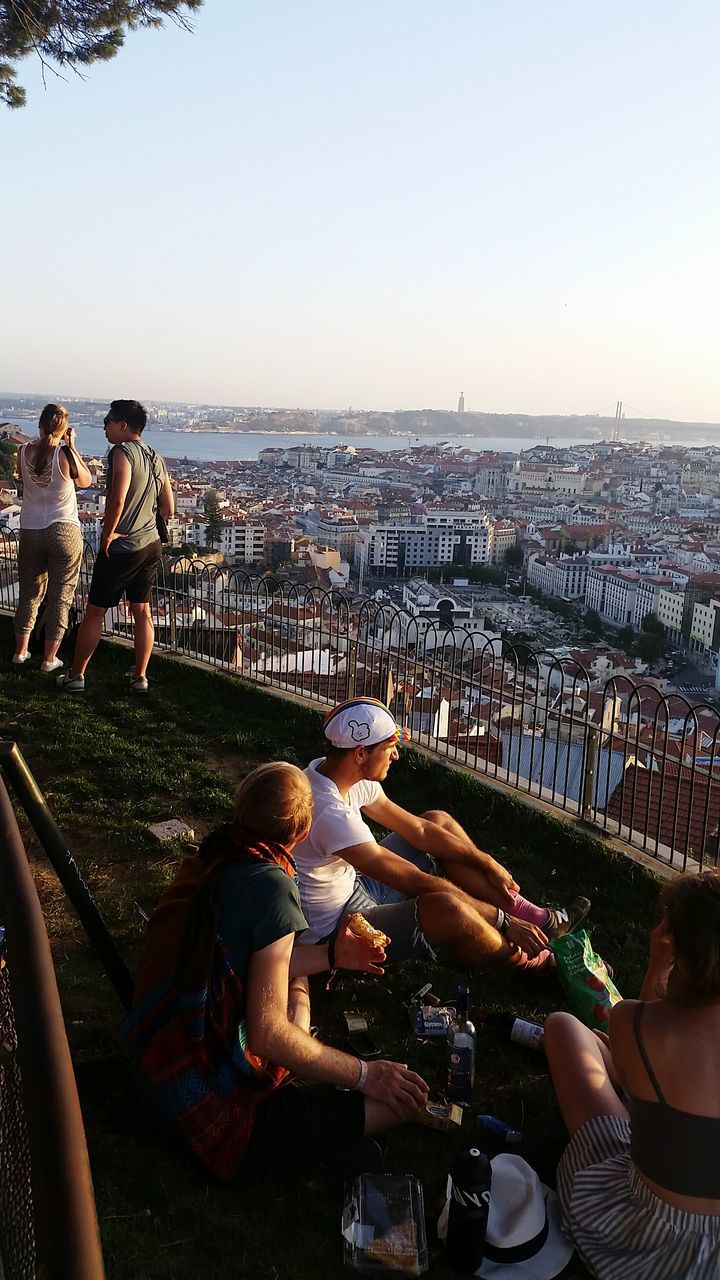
(221, 1014)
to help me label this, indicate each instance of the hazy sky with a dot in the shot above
(378, 203)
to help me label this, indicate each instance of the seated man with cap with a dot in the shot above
(425, 885)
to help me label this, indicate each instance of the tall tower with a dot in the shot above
(461, 402)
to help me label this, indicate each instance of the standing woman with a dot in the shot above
(640, 1181)
(50, 537)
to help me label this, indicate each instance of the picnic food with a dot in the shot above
(397, 1249)
(362, 928)
(588, 985)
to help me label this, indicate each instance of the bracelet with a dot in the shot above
(502, 923)
(362, 1076)
(331, 954)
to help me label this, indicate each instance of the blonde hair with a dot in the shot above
(53, 425)
(691, 907)
(274, 802)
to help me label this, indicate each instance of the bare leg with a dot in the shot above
(51, 649)
(88, 638)
(21, 644)
(379, 1116)
(448, 920)
(472, 878)
(579, 1072)
(144, 637)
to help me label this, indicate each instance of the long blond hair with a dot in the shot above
(53, 425)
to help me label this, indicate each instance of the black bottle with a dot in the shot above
(468, 1211)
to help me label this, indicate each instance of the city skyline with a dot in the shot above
(375, 207)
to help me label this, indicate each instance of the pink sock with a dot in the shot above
(525, 910)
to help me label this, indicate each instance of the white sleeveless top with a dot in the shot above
(47, 499)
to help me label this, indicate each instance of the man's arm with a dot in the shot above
(379, 863)
(350, 952)
(423, 834)
(271, 1035)
(166, 500)
(121, 476)
(430, 837)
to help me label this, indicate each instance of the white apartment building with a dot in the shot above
(503, 536)
(388, 550)
(340, 532)
(647, 597)
(243, 541)
(670, 609)
(612, 592)
(705, 627)
(565, 578)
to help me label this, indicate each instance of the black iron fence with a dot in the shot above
(606, 746)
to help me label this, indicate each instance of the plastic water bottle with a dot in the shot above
(468, 1211)
(461, 1052)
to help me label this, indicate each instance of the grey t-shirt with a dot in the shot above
(136, 526)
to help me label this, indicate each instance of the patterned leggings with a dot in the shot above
(48, 560)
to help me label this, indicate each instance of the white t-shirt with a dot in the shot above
(326, 881)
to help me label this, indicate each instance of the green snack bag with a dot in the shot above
(588, 985)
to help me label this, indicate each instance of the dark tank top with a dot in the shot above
(677, 1150)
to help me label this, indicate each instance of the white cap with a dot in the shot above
(362, 722)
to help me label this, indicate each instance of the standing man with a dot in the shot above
(427, 884)
(138, 486)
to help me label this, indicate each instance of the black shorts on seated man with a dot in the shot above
(427, 883)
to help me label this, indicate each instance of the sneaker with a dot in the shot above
(71, 684)
(19, 658)
(564, 920)
(139, 684)
(54, 665)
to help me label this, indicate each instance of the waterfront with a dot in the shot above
(244, 446)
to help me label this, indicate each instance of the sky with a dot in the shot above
(376, 203)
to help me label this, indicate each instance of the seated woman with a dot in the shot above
(221, 1014)
(640, 1180)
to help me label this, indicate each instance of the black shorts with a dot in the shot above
(304, 1122)
(126, 573)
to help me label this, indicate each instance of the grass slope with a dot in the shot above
(110, 763)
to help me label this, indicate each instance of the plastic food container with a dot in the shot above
(383, 1225)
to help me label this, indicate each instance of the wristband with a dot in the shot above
(331, 954)
(362, 1077)
(502, 923)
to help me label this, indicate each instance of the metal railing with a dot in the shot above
(608, 749)
(48, 1224)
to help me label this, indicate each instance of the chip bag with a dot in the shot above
(588, 985)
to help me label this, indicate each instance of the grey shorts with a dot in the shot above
(389, 909)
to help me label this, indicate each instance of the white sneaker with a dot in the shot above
(19, 658)
(55, 665)
(70, 684)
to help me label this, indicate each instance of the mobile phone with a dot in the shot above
(362, 1043)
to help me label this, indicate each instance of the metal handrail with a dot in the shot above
(614, 753)
(67, 1244)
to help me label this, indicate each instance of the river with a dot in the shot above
(241, 446)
